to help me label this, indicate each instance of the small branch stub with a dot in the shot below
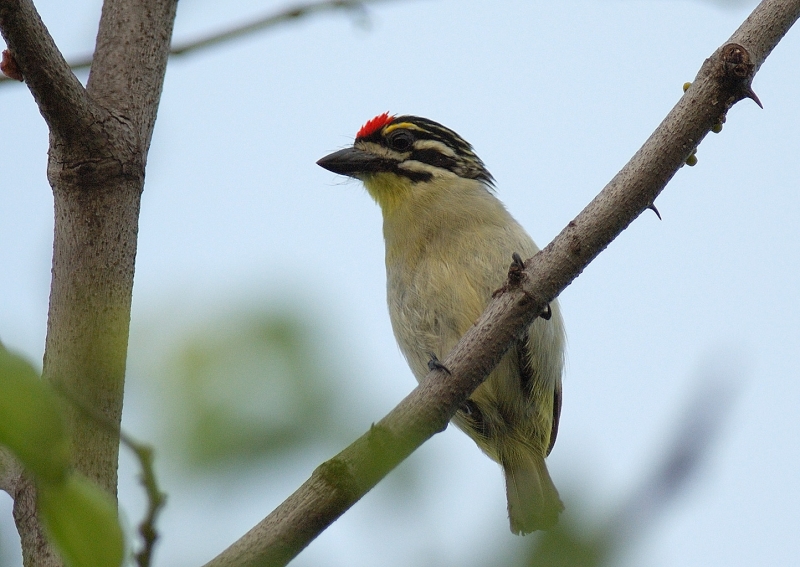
(9, 66)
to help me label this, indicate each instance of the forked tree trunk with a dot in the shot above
(99, 138)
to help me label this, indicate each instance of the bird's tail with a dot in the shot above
(533, 501)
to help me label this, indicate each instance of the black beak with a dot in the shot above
(355, 162)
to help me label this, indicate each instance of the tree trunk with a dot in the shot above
(99, 138)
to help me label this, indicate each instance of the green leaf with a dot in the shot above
(82, 522)
(31, 424)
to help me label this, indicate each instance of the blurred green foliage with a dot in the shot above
(245, 389)
(256, 387)
(249, 387)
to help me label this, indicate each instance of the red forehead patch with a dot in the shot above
(375, 124)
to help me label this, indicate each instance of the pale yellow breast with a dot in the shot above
(447, 249)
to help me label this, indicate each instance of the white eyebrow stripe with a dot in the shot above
(434, 145)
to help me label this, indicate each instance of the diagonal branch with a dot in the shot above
(286, 15)
(336, 485)
(61, 98)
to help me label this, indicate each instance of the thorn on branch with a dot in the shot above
(435, 364)
(653, 208)
(750, 93)
(9, 66)
(516, 271)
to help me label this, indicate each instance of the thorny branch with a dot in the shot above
(337, 484)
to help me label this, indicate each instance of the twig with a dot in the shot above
(259, 24)
(155, 498)
(286, 15)
(144, 454)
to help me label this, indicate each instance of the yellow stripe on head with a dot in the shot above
(406, 125)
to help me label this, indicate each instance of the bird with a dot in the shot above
(449, 241)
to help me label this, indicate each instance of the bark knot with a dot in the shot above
(736, 62)
(737, 71)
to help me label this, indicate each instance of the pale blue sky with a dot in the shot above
(555, 97)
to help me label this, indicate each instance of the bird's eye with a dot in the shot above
(401, 140)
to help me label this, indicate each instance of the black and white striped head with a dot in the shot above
(411, 147)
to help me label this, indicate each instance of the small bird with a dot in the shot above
(449, 243)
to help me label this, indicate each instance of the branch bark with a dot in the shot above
(723, 80)
(10, 471)
(99, 138)
(58, 93)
